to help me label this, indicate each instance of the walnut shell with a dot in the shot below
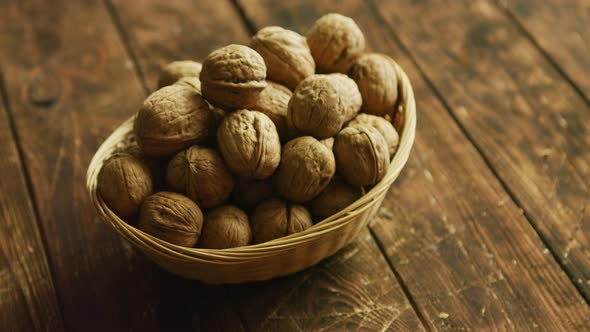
(172, 119)
(350, 94)
(233, 77)
(335, 41)
(318, 107)
(275, 218)
(361, 155)
(201, 174)
(286, 54)
(225, 227)
(383, 126)
(306, 169)
(334, 198)
(328, 142)
(190, 82)
(123, 183)
(376, 78)
(249, 144)
(176, 70)
(248, 192)
(171, 217)
(274, 102)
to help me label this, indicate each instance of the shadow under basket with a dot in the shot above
(271, 259)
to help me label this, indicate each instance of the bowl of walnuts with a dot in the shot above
(261, 161)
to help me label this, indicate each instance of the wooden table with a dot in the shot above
(487, 228)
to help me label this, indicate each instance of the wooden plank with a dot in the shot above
(530, 124)
(355, 289)
(69, 84)
(469, 258)
(28, 298)
(561, 29)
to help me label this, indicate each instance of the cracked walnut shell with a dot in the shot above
(376, 78)
(176, 70)
(201, 174)
(286, 54)
(335, 41)
(361, 155)
(171, 217)
(172, 119)
(249, 144)
(232, 77)
(383, 126)
(307, 166)
(275, 218)
(225, 227)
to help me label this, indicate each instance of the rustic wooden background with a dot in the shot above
(487, 228)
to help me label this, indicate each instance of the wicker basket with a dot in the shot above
(271, 259)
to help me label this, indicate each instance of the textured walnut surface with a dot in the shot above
(274, 102)
(190, 82)
(306, 169)
(383, 126)
(377, 81)
(249, 144)
(225, 227)
(286, 54)
(335, 41)
(171, 217)
(334, 198)
(361, 155)
(275, 218)
(200, 173)
(171, 119)
(350, 95)
(176, 70)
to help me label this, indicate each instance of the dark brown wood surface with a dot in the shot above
(499, 170)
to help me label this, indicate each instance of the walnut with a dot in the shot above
(190, 82)
(201, 174)
(306, 169)
(328, 142)
(249, 144)
(274, 101)
(350, 94)
(123, 183)
(377, 81)
(383, 126)
(171, 217)
(233, 77)
(248, 192)
(335, 41)
(171, 119)
(275, 218)
(319, 106)
(176, 70)
(361, 155)
(225, 227)
(286, 54)
(334, 198)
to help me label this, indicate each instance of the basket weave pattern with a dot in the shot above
(271, 259)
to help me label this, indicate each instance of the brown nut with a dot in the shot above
(328, 142)
(350, 94)
(335, 41)
(317, 107)
(275, 218)
(249, 144)
(190, 82)
(376, 78)
(233, 77)
(123, 183)
(383, 126)
(172, 119)
(176, 70)
(225, 227)
(334, 198)
(361, 154)
(201, 174)
(274, 102)
(286, 54)
(171, 217)
(248, 192)
(306, 169)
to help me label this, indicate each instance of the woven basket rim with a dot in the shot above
(255, 251)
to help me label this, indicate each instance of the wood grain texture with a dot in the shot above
(530, 124)
(468, 256)
(560, 28)
(28, 300)
(353, 290)
(69, 83)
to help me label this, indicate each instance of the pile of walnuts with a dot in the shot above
(258, 142)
